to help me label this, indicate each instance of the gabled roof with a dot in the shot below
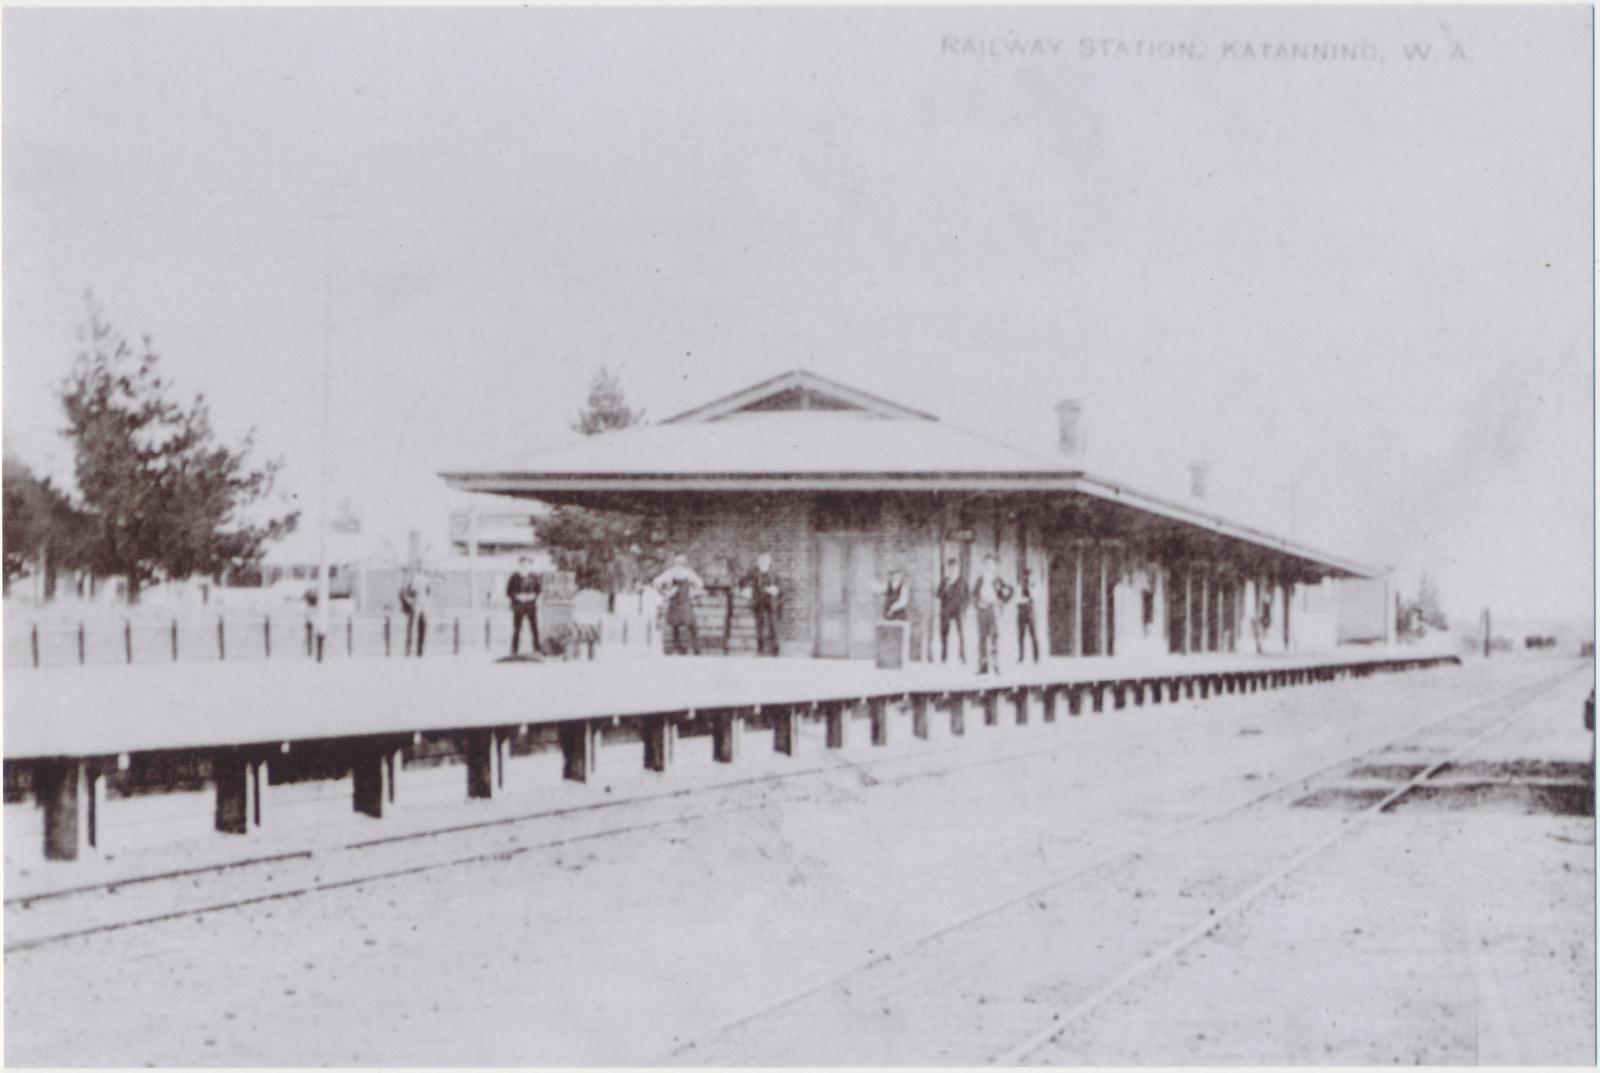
(799, 390)
(782, 443)
(800, 431)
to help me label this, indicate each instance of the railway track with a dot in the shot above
(918, 980)
(127, 902)
(352, 862)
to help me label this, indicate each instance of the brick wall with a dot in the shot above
(723, 534)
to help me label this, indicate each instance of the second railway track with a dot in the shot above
(937, 981)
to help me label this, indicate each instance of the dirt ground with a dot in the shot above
(1456, 930)
(1461, 927)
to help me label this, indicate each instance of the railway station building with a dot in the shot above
(841, 486)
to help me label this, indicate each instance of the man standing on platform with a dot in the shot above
(680, 585)
(523, 590)
(988, 593)
(896, 599)
(1025, 625)
(416, 598)
(760, 586)
(952, 608)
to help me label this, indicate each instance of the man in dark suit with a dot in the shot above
(523, 591)
(760, 586)
(953, 594)
(1025, 626)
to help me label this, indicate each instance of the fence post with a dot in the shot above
(127, 638)
(174, 640)
(387, 650)
(81, 658)
(350, 636)
(266, 636)
(486, 633)
(222, 640)
(457, 633)
(35, 637)
(309, 651)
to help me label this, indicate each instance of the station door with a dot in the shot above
(847, 606)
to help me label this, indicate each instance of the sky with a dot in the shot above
(1342, 254)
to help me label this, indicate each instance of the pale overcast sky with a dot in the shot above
(1344, 270)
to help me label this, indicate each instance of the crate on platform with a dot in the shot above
(891, 645)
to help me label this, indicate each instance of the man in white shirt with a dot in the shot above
(680, 585)
(988, 593)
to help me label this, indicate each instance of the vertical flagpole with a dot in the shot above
(323, 597)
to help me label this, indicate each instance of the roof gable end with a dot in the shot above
(799, 389)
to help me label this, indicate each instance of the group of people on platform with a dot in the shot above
(762, 589)
(678, 585)
(987, 594)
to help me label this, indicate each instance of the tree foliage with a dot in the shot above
(1417, 614)
(42, 528)
(605, 550)
(162, 497)
(607, 409)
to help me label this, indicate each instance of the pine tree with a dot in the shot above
(605, 550)
(161, 497)
(608, 409)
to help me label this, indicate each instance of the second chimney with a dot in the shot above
(1199, 470)
(1069, 425)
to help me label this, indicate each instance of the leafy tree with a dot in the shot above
(1428, 604)
(162, 497)
(42, 528)
(605, 550)
(1415, 615)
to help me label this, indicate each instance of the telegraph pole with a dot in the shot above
(1487, 632)
(323, 597)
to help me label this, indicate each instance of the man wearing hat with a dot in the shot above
(680, 584)
(952, 607)
(988, 593)
(1025, 625)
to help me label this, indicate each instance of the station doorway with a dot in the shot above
(1082, 611)
(847, 606)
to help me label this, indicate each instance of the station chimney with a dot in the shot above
(1070, 438)
(1199, 470)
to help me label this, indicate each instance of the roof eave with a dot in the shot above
(524, 484)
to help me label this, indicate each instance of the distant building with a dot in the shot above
(502, 529)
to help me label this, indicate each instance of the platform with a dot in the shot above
(235, 724)
(106, 711)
